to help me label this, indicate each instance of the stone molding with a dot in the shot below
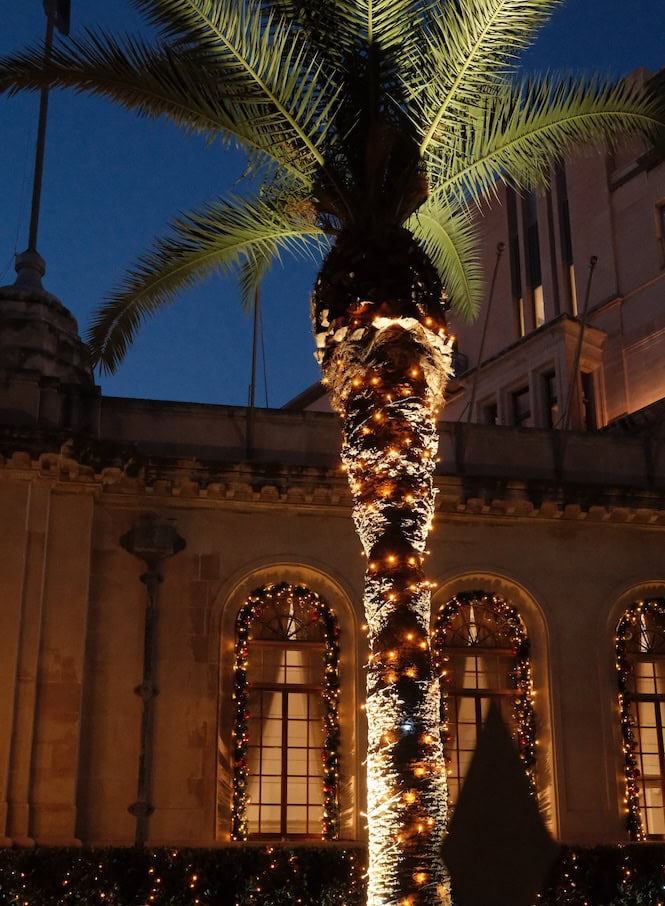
(326, 488)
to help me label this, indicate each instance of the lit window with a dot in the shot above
(538, 305)
(286, 729)
(641, 670)
(533, 259)
(515, 262)
(482, 651)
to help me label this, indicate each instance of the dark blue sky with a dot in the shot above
(112, 182)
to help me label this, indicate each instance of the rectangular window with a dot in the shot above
(660, 229)
(533, 259)
(522, 416)
(589, 413)
(515, 263)
(491, 413)
(551, 398)
(573, 290)
(566, 235)
(538, 306)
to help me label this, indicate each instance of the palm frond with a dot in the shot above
(451, 242)
(153, 81)
(221, 237)
(472, 45)
(267, 62)
(524, 129)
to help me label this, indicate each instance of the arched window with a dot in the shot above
(481, 649)
(286, 733)
(640, 645)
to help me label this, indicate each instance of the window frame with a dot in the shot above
(637, 809)
(519, 651)
(248, 616)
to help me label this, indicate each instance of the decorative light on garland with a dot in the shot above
(630, 640)
(524, 718)
(279, 597)
(304, 876)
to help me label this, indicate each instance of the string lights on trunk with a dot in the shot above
(385, 354)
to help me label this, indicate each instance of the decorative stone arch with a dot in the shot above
(533, 618)
(233, 599)
(643, 601)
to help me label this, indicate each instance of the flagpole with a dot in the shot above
(41, 137)
(252, 387)
(30, 266)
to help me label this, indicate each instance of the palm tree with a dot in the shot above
(375, 126)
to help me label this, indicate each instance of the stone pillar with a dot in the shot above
(15, 676)
(152, 539)
(65, 592)
(46, 574)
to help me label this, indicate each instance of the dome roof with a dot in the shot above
(37, 333)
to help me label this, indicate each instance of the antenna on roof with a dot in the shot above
(30, 265)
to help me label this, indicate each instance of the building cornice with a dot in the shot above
(190, 484)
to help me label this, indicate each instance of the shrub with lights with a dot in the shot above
(632, 875)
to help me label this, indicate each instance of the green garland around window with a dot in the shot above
(271, 595)
(523, 711)
(625, 632)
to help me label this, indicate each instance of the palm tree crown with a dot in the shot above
(360, 115)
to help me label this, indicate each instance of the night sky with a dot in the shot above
(112, 182)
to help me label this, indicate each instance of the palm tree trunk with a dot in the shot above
(387, 378)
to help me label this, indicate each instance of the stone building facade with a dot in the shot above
(138, 534)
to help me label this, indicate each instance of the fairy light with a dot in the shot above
(387, 359)
(390, 456)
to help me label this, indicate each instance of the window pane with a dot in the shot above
(272, 732)
(297, 705)
(271, 790)
(316, 733)
(297, 733)
(296, 670)
(271, 761)
(296, 790)
(297, 762)
(296, 819)
(271, 665)
(315, 791)
(270, 819)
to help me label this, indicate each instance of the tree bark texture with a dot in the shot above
(387, 372)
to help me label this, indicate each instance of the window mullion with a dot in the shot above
(285, 740)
